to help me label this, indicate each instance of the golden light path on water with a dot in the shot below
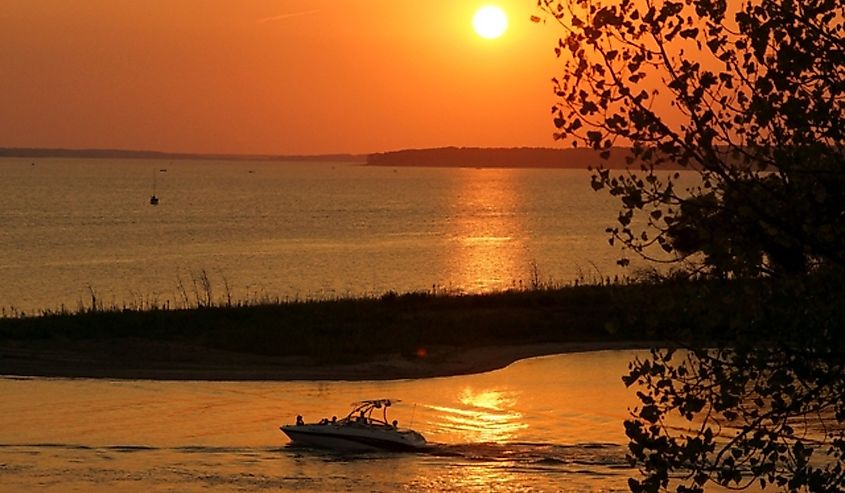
(487, 416)
(490, 236)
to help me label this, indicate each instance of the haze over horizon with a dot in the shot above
(272, 77)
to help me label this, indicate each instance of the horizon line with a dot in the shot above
(14, 151)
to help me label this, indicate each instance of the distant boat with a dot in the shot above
(154, 197)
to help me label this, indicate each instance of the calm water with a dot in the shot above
(287, 230)
(543, 424)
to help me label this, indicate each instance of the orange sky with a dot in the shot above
(280, 76)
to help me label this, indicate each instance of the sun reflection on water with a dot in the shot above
(489, 238)
(488, 399)
(487, 415)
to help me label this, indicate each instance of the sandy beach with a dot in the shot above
(163, 361)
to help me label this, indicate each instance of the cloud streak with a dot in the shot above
(282, 17)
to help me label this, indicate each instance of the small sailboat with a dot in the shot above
(154, 197)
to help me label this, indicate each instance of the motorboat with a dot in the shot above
(359, 430)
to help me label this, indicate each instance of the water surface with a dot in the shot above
(75, 227)
(543, 424)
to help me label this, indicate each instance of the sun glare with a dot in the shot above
(490, 22)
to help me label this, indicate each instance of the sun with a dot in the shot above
(490, 22)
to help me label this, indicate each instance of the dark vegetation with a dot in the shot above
(355, 330)
(757, 108)
(655, 311)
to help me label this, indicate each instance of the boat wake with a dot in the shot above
(437, 467)
(589, 458)
(605, 455)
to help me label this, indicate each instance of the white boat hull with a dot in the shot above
(354, 438)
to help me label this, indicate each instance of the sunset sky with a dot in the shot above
(271, 76)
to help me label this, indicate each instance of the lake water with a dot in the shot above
(76, 227)
(543, 424)
(287, 230)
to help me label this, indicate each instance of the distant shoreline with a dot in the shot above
(503, 157)
(46, 153)
(441, 157)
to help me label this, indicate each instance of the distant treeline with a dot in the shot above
(133, 154)
(471, 157)
(511, 157)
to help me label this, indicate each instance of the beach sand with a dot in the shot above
(143, 359)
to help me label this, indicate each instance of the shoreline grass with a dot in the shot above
(412, 328)
(199, 290)
(420, 331)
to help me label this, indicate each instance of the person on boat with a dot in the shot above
(299, 421)
(334, 420)
(395, 424)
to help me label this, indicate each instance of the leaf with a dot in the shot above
(650, 413)
(594, 138)
(689, 33)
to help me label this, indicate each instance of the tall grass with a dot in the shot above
(200, 289)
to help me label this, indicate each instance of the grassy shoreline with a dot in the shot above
(394, 336)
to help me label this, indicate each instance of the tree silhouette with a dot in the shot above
(751, 96)
(753, 102)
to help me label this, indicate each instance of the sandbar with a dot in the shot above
(147, 360)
